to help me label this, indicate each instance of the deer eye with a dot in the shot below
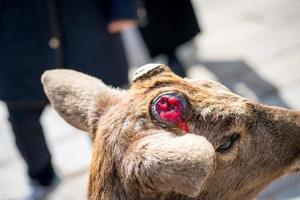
(169, 108)
(228, 144)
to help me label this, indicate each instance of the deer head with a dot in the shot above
(173, 138)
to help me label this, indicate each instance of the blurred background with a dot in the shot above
(251, 46)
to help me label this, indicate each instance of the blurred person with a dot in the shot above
(38, 35)
(167, 25)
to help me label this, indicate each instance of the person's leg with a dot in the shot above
(175, 64)
(30, 141)
(88, 47)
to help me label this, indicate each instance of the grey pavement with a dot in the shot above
(251, 46)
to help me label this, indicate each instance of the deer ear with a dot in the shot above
(78, 98)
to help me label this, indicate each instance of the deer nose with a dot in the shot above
(149, 70)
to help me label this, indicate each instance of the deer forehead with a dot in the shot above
(210, 100)
(205, 97)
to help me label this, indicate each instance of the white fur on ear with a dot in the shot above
(78, 97)
(169, 163)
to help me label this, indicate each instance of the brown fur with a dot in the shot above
(134, 157)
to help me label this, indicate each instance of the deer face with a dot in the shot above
(173, 138)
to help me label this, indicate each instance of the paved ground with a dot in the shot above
(252, 46)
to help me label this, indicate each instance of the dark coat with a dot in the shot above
(168, 24)
(25, 31)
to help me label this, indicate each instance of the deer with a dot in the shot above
(174, 138)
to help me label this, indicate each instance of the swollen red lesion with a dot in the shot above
(171, 110)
